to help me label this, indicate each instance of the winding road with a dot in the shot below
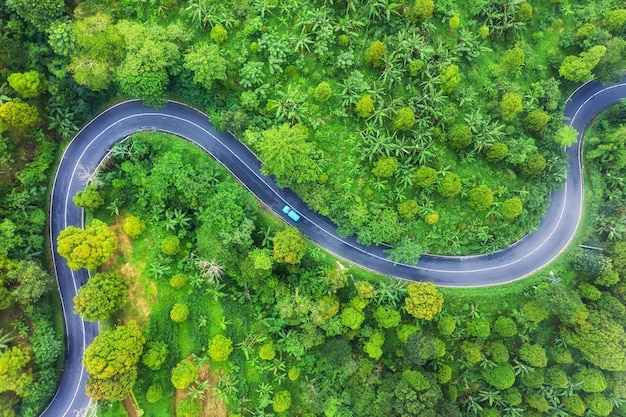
(93, 143)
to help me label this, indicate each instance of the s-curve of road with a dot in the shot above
(93, 143)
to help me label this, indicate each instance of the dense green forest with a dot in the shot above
(431, 126)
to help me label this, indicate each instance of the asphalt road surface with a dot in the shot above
(93, 143)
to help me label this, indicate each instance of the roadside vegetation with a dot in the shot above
(430, 126)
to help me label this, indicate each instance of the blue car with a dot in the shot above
(291, 213)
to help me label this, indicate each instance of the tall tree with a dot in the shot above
(100, 296)
(111, 361)
(423, 301)
(87, 248)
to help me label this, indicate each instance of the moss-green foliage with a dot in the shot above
(365, 106)
(20, 115)
(404, 120)
(184, 373)
(134, 226)
(220, 348)
(27, 84)
(478, 327)
(218, 34)
(599, 404)
(89, 198)
(408, 209)
(592, 379)
(459, 137)
(536, 120)
(102, 295)
(511, 208)
(556, 377)
(450, 185)
(512, 59)
(505, 326)
(281, 401)
(87, 248)
(497, 152)
(502, 376)
(510, 106)
(178, 281)
(534, 355)
(322, 92)
(422, 10)
(170, 245)
(425, 177)
(376, 53)
(385, 167)
(154, 393)
(481, 197)
(188, 408)
(154, 355)
(575, 405)
(179, 312)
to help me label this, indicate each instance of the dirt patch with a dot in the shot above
(130, 406)
(141, 295)
(211, 406)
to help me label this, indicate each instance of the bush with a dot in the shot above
(365, 106)
(512, 396)
(184, 374)
(502, 376)
(188, 408)
(481, 197)
(534, 355)
(220, 348)
(599, 404)
(450, 185)
(444, 374)
(154, 393)
(510, 106)
(218, 34)
(179, 312)
(90, 198)
(533, 379)
(375, 54)
(431, 218)
(498, 352)
(556, 377)
(267, 352)
(170, 245)
(537, 401)
(479, 327)
(385, 167)
(408, 209)
(281, 401)
(425, 177)
(497, 152)
(133, 226)
(512, 59)
(322, 92)
(178, 281)
(533, 311)
(536, 120)
(589, 292)
(574, 404)
(422, 10)
(511, 208)
(404, 120)
(505, 326)
(592, 379)
(459, 137)
(154, 355)
(446, 325)
(534, 164)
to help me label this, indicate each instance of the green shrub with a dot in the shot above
(385, 167)
(404, 120)
(505, 326)
(450, 185)
(592, 379)
(599, 404)
(502, 376)
(267, 352)
(510, 106)
(218, 34)
(478, 327)
(179, 312)
(365, 106)
(425, 177)
(497, 152)
(536, 120)
(220, 348)
(154, 355)
(376, 53)
(534, 355)
(556, 377)
(184, 373)
(178, 281)
(574, 404)
(511, 208)
(188, 408)
(154, 393)
(133, 226)
(281, 401)
(322, 92)
(459, 137)
(481, 197)
(446, 325)
(170, 245)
